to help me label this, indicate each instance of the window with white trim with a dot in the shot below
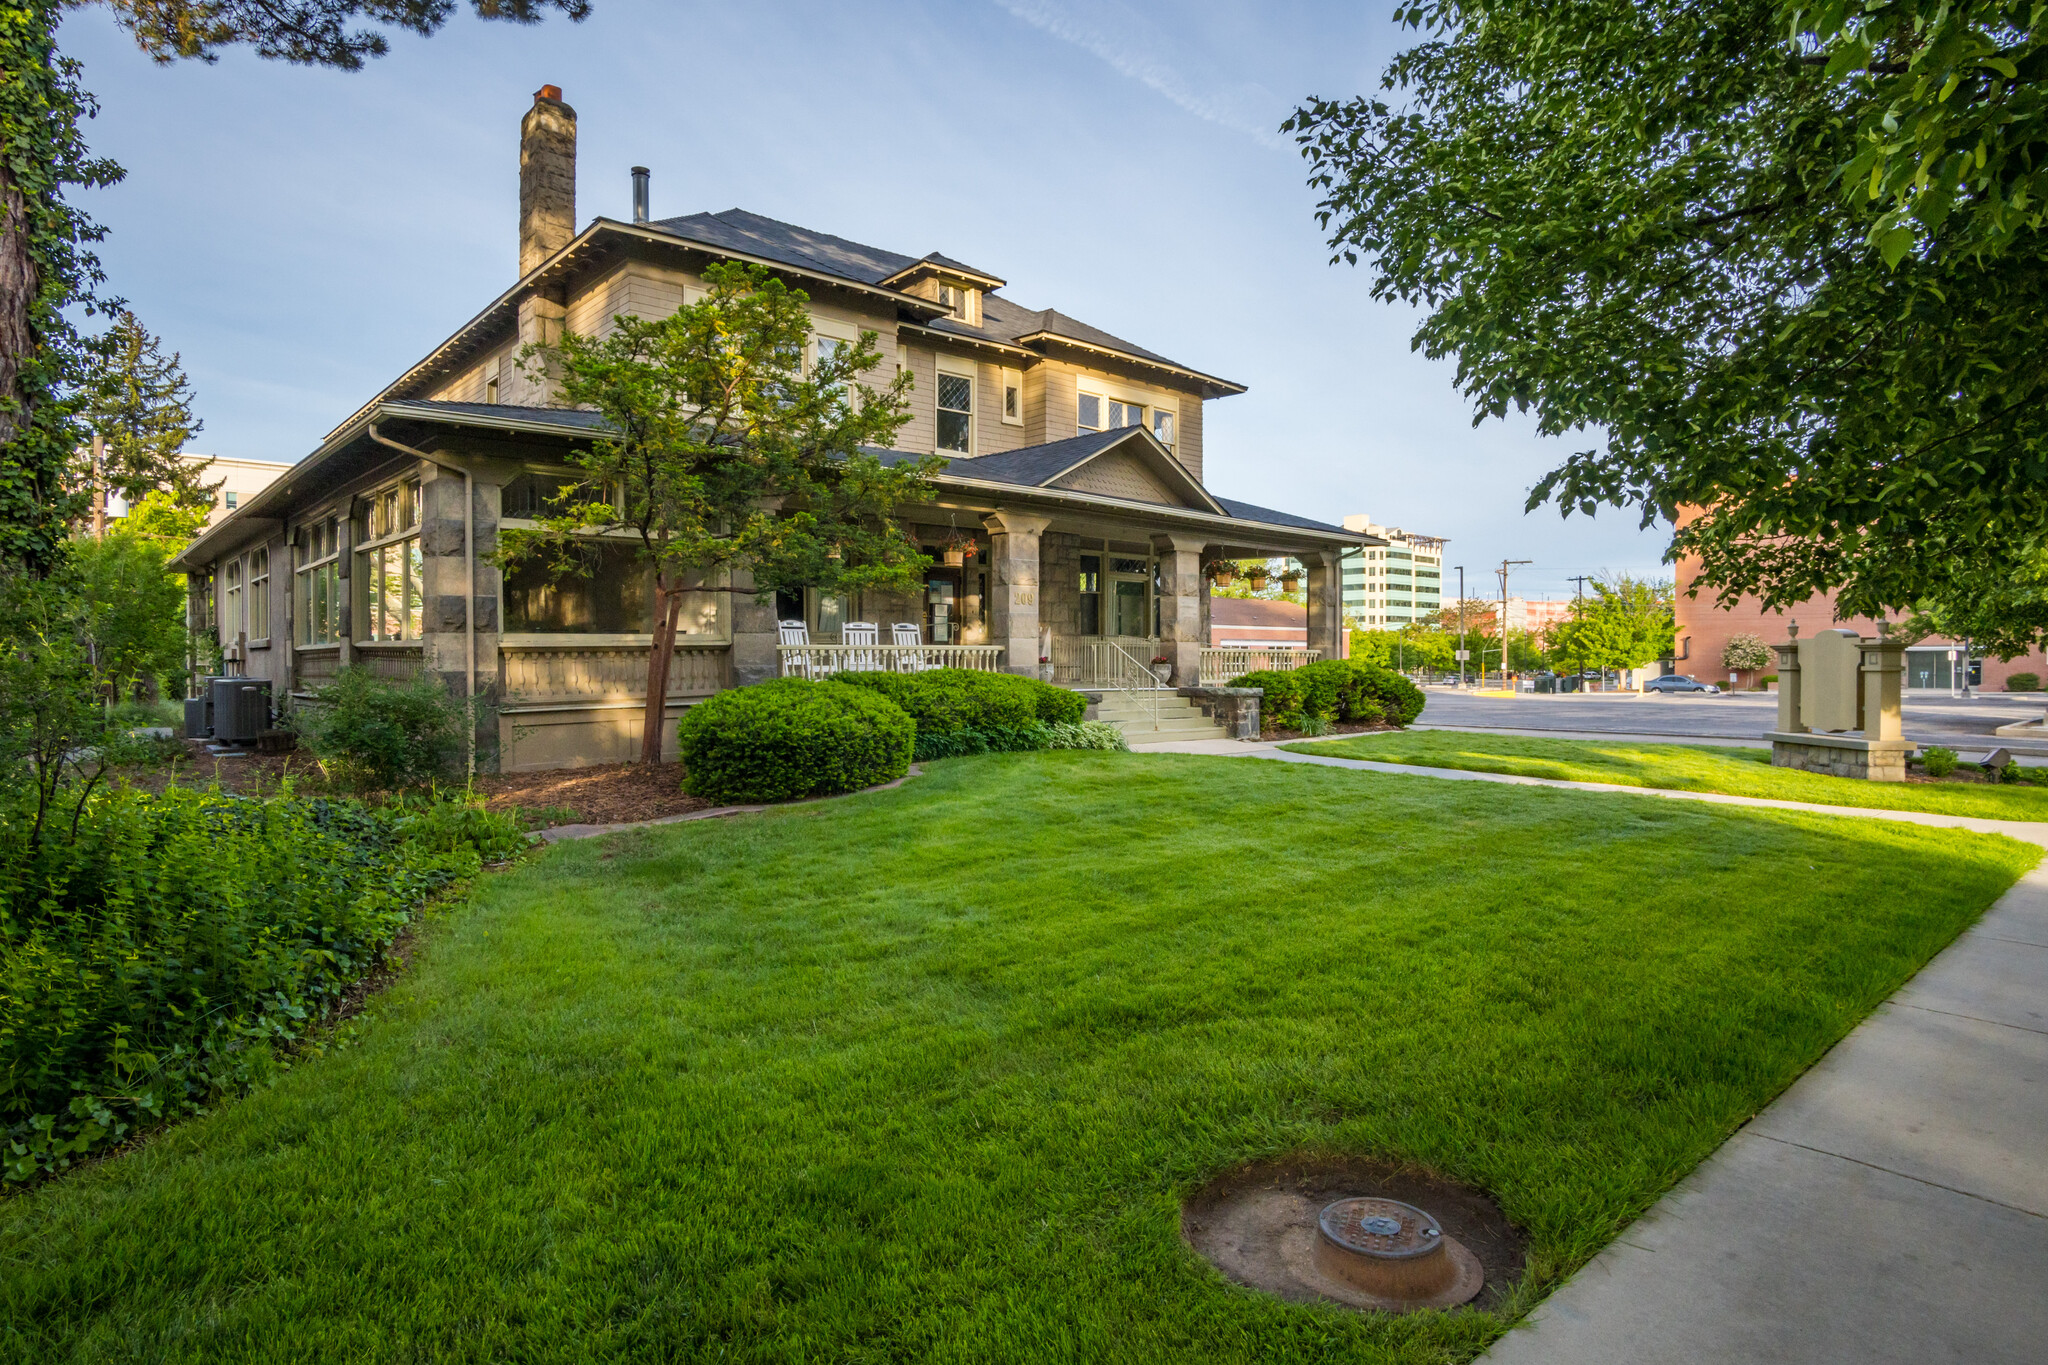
(1013, 397)
(1162, 426)
(956, 412)
(259, 593)
(1106, 412)
(317, 589)
(389, 566)
(231, 600)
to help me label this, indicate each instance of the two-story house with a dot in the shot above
(1072, 500)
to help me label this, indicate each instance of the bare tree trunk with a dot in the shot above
(18, 285)
(99, 486)
(659, 656)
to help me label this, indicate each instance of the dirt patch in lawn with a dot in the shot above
(1255, 1223)
(607, 794)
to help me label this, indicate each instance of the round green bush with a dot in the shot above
(942, 700)
(776, 741)
(2023, 682)
(1399, 700)
(1281, 707)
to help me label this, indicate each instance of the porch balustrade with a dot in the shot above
(1220, 665)
(1114, 663)
(818, 661)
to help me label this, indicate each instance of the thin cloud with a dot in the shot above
(1129, 45)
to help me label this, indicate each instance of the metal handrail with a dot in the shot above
(1151, 687)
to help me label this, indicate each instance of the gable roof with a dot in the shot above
(1052, 464)
(1274, 614)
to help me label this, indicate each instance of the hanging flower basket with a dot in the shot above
(1257, 578)
(959, 550)
(1223, 573)
(1290, 582)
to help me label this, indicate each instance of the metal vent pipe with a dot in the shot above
(639, 194)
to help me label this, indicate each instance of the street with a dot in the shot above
(1739, 717)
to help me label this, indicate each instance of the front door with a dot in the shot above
(942, 607)
(1127, 614)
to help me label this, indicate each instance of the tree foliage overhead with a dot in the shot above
(308, 32)
(1787, 259)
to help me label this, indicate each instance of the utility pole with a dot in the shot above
(1505, 566)
(1579, 582)
(1461, 626)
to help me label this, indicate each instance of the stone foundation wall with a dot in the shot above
(1236, 709)
(1879, 765)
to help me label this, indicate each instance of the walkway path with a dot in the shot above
(1891, 1206)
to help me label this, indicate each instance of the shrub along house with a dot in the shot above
(1070, 524)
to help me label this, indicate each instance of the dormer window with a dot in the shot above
(949, 298)
(961, 301)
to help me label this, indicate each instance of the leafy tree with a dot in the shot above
(1745, 653)
(45, 266)
(131, 607)
(139, 410)
(1787, 259)
(726, 455)
(1626, 623)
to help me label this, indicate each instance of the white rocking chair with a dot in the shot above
(907, 635)
(865, 633)
(796, 665)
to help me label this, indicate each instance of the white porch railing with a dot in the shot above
(1221, 664)
(1114, 663)
(819, 661)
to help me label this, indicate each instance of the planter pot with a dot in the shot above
(1223, 580)
(955, 558)
(1163, 672)
(1258, 582)
(1290, 582)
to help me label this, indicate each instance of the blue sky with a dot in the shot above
(302, 236)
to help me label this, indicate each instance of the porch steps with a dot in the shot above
(1180, 720)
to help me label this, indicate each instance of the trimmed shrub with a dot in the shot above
(2023, 682)
(1938, 761)
(1399, 700)
(167, 954)
(1281, 707)
(946, 699)
(371, 734)
(1087, 734)
(779, 740)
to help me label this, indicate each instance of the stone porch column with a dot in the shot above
(753, 633)
(1180, 605)
(1325, 602)
(1013, 587)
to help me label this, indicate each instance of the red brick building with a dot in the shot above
(1237, 622)
(1704, 630)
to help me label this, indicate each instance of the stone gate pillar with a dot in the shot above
(1013, 587)
(1789, 722)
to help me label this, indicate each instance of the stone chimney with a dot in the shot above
(547, 178)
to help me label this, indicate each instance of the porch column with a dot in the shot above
(754, 656)
(1180, 605)
(1013, 587)
(1325, 602)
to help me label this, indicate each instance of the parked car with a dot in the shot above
(1680, 682)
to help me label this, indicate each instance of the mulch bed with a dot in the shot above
(607, 794)
(1337, 730)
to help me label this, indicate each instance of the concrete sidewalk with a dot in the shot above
(1890, 1206)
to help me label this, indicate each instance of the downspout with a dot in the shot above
(468, 578)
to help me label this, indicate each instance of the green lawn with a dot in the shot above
(1679, 767)
(920, 1075)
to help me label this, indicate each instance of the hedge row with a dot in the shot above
(1335, 689)
(1087, 734)
(164, 956)
(942, 700)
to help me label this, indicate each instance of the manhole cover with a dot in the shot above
(1385, 1228)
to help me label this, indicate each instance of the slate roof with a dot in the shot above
(1002, 320)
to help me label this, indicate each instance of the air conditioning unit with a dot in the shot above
(241, 709)
(199, 709)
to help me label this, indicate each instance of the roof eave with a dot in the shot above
(1213, 386)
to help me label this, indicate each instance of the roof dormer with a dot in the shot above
(955, 287)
